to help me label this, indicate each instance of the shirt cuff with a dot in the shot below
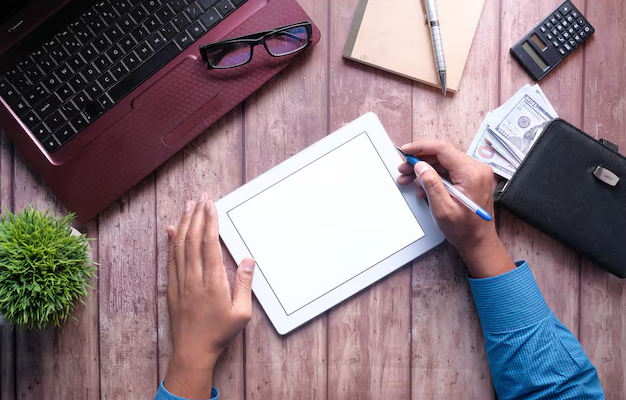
(509, 301)
(163, 394)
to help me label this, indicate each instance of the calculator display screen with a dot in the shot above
(538, 42)
(533, 54)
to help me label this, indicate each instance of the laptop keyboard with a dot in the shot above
(91, 64)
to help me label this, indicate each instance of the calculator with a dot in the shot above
(552, 40)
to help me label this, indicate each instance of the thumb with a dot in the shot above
(438, 197)
(242, 293)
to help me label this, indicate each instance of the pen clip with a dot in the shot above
(425, 6)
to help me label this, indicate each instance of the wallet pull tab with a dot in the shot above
(606, 176)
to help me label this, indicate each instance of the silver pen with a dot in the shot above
(432, 18)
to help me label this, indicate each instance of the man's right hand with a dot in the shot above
(475, 238)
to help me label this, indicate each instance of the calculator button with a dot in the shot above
(555, 32)
(549, 37)
(567, 47)
(571, 30)
(582, 34)
(558, 16)
(549, 25)
(565, 35)
(553, 20)
(580, 21)
(559, 27)
(555, 43)
(562, 51)
(561, 39)
(577, 38)
(575, 14)
(570, 18)
(565, 23)
(543, 29)
(575, 25)
(587, 29)
(565, 9)
(573, 44)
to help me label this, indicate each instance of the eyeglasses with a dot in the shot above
(278, 42)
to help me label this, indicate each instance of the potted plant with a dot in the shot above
(45, 268)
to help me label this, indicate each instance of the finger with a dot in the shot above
(420, 191)
(179, 244)
(405, 168)
(242, 292)
(211, 249)
(439, 199)
(172, 277)
(193, 239)
(448, 156)
(406, 179)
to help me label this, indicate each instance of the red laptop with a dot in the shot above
(97, 95)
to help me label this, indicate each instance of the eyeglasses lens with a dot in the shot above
(288, 41)
(231, 55)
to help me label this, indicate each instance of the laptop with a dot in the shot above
(98, 94)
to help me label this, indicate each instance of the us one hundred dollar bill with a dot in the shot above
(509, 132)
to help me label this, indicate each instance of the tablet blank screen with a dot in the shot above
(326, 223)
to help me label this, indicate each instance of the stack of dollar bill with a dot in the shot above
(509, 132)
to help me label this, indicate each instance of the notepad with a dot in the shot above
(393, 35)
(326, 223)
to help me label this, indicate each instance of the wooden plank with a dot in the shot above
(56, 362)
(212, 164)
(603, 296)
(128, 321)
(286, 115)
(448, 352)
(556, 268)
(368, 346)
(7, 350)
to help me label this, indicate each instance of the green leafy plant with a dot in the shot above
(44, 269)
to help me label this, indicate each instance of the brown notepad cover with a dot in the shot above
(393, 35)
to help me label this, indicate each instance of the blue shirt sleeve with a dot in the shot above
(163, 394)
(531, 354)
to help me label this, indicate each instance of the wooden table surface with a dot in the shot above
(414, 334)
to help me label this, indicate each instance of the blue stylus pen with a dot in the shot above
(454, 192)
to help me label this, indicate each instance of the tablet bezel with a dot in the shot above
(371, 125)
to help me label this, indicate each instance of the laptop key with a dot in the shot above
(83, 33)
(81, 99)
(224, 7)
(151, 5)
(51, 144)
(183, 40)
(102, 62)
(92, 111)
(150, 66)
(115, 53)
(211, 18)
(64, 92)
(121, 6)
(21, 83)
(178, 5)
(196, 30)
(88, 53)
(77, 82)
(93, 89)
(206, 4)
(41, 131)
(88, 15)
(139, 13)
(127, 43)
(152, 23)
(193, 11)
(180, 21)
(31, 120)
(72, 44)
(79, 122)
(37, 54)
(156, 41)
(7, 91)
(97, 25)
(114, 33)
(105, 102)
(19, 106)
(109, 16)
(34, 74)
(105, 80)
(140, 33)
(55, 120)
(52, 82)
(168, 31)
(25, 63)
(144, 50)
(118, 71)
(59, 54)
(47, 106)
(46, 64)
(36, 94)
(165, 13)
(127, 23)
(131, 60)
(64, 72)
(70, 109)
(101, 43)
(65, 133)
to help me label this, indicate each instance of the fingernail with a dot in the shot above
(208, 204)
(248, 265)
(403, 146)
(202, 198)
(169, 232)
(421, 167)
(188, 205)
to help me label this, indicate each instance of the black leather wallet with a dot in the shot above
(573, 188)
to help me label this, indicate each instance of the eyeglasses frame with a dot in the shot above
(254, 40)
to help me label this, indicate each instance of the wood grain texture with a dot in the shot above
(7, 365)
(50, 360)
(285, 116)
(603, 296)
(556, 268)
(127, 285)
(211, 163)
(368, 346)
(448, 351)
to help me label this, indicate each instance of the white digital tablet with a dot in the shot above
(326, 223)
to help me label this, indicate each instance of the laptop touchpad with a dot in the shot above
(179, 101)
